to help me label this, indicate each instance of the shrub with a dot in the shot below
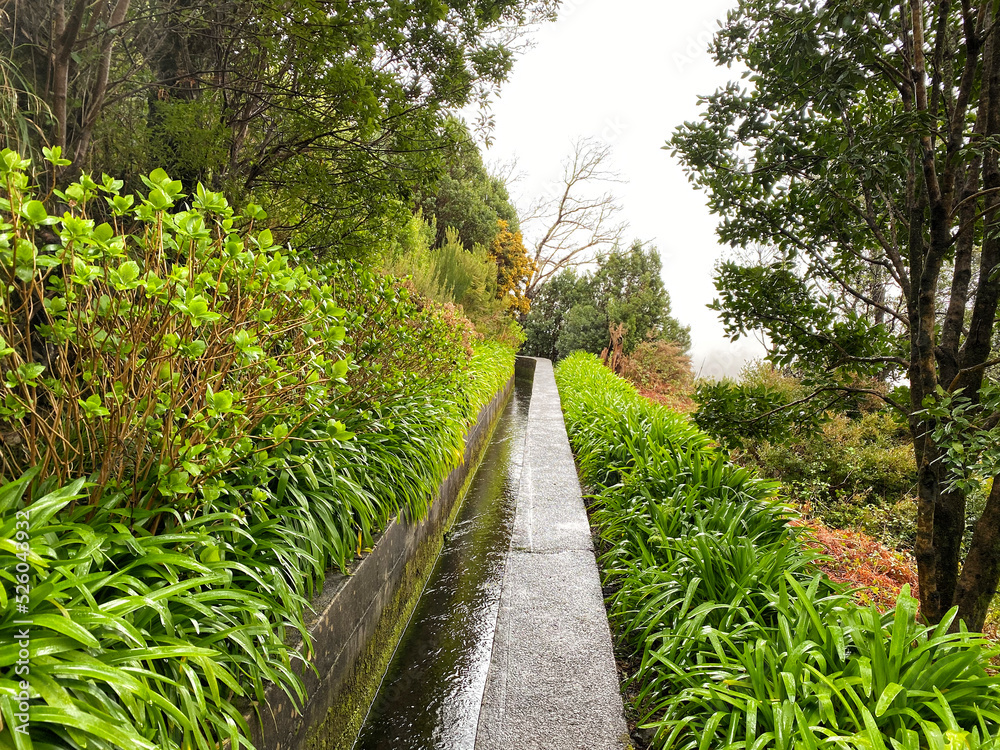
(875, 572)
(852, 473)
(545, 321)
(456, 276)
(159, 611)
(853, 466)
(514, 268)
(663, 372)
(160, 641)
(584, 328)
(866, 459)
(753, 408)
(156, 353)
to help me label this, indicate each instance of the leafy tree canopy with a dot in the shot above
(628, 288)
(858, 162)
(514, 267)
(549, 308)
(328, 113)
(584, 329)
(625, 288)
(467, 198)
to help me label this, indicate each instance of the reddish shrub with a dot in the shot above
(876, 571)
(662, 373)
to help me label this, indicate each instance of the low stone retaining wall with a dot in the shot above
(360, 617)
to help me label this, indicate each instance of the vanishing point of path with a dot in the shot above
(509, 646)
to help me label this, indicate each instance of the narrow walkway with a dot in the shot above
(552, 682)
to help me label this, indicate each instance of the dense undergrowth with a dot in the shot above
(195, 428)
(846, 460)
(732, 636)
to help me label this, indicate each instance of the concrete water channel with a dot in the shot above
(508, 646)
(432, 691)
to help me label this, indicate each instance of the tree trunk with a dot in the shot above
(67, 30)
(940, 527)
(981, 571)
(100, 86)
(941, 512)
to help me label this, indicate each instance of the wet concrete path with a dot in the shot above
(553, 684)
(509, 646)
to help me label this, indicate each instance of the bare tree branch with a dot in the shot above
(578, 225)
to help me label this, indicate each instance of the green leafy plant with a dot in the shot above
(156, 352)
(135, 641)
(452, 274)
(847, 460)
(205, 434)
(732, 636)
(143, 640)
(757, 406)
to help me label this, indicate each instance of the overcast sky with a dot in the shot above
(628, 72)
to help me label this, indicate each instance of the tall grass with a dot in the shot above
(733, 638)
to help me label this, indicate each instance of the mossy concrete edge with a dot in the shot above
(360, 617)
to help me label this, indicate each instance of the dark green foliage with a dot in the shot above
(865, 458)
(584, 328)
(546, 318)
(733, 638)
(851, 472)
(628, 288)
(467, 198)
(330, 114)
(805, 325)
(738, 413)
(625, 288)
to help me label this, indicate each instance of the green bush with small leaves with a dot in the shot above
(157, 351)
(847, 460)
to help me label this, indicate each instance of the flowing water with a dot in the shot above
(430, 696)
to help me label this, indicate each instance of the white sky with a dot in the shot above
(628, 72)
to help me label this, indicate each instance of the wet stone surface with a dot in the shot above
(553, 683)
(433, 689)
(509, 647)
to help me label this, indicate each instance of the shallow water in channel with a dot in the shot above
(430, 696)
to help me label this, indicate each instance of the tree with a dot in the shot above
(549, 308)
(467, 198)
(628, 288)
(449, 273)
(576, 225)
(573, 312)
(584, 328)
(514, 268)
(328, 113)
(864, 152)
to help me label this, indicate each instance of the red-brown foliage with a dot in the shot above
(662, 373)
(876, 571)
